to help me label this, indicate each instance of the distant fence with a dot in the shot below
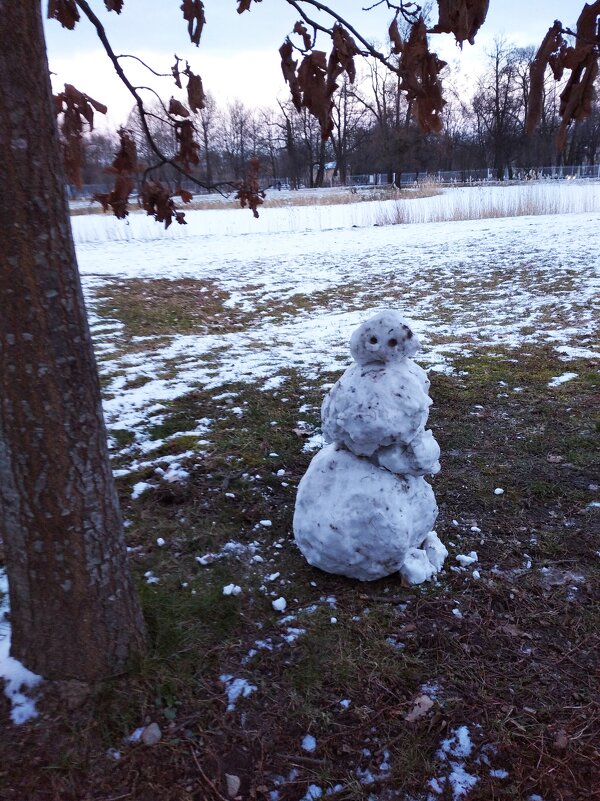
(588, 171)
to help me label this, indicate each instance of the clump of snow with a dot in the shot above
(467, 559)
(498, 491)
(232, 589)
(457, 745)
(454, 751)
(236, 689)
(175, 473)
(499, 773)
(561, 379)
(15, 675)
(279, 604)
(313, 792)
(309, 743)
(139, 488)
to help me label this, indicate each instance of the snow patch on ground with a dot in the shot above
(236, 689)
(561, 379)
(16, 676)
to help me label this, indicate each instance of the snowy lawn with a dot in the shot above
(216, 344)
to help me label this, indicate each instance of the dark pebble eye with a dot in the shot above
(373, 340)
(392, 343)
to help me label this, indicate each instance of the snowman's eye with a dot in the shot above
(392, 343)
(373, 340)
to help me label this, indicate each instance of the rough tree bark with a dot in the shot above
(74, 611)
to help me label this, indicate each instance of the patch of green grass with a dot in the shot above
(161, 307)
(122, 436)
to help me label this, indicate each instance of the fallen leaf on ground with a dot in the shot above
(421, 706)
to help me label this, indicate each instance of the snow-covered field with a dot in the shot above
(497, 282)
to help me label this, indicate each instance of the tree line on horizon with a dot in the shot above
(374, 132)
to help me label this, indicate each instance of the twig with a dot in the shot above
(205, 777)
(158, 74)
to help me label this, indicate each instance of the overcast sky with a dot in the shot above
(238, 57)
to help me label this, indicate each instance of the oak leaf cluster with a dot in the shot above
(582, 61)
(314, 82)
(74, 109)
(124, 167)
(249, 193)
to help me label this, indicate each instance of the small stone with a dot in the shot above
(151, 734)
(233, 784)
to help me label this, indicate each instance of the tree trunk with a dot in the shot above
(321, 168)
(74, 611)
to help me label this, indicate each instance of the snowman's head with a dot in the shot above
(385, 337)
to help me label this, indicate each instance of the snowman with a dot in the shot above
(363, 507)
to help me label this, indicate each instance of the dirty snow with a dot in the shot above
(561, 379)
(236, 689)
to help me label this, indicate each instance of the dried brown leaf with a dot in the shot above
(118, 199)
(177, 108)
(345, 49)
(114, 5)
(288, 68)
(176, 72)
(102, 197)
(188, 148)
(75, 108)
(186, 196)
(395, 37)
(249, 193)
(576, 99)
(195, 90)
(317, 89)
(301, 29)
(125, 161)
(463, 18)
(244, 5)
(157, 201)
(193, 14)
(421, 706)
(514, 631)
(550, 47)
(65, 11)
(419, 72)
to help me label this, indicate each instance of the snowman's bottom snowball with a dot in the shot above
(358, 520)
